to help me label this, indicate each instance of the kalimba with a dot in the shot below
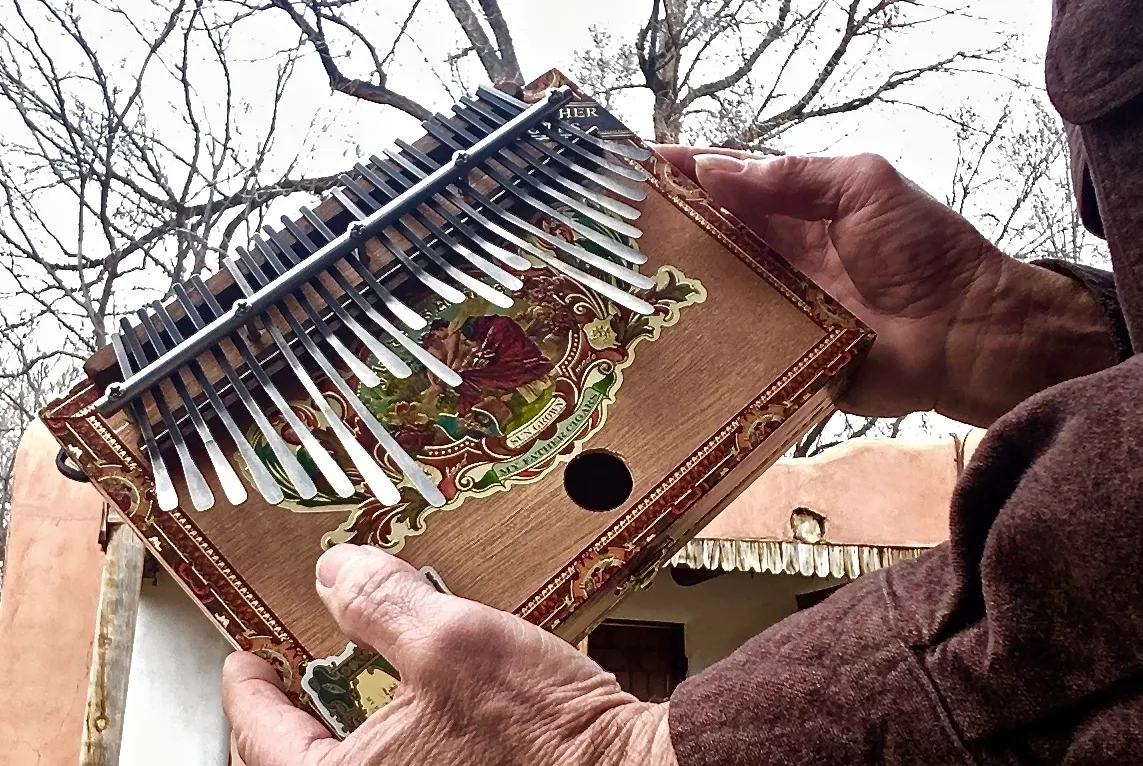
(524, 353)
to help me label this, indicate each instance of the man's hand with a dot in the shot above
(478, 686)
(961, 327)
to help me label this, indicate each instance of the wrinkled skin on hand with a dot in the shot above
(908, 266)
(479, 686)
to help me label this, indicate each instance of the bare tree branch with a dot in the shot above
(765, 90)
(376, 92)
(504, 43)
(1012, 179)
(499, 60)
(717, 86)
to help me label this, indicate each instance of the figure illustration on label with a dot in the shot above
(536, 381)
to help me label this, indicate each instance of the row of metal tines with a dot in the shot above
(546, 172)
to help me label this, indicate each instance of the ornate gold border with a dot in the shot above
(116, 469)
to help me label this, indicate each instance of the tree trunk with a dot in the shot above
(668, 121)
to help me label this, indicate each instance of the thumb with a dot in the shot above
(806, 188)
(380, 601)
(683, 157)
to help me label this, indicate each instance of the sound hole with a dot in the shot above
(598, 481)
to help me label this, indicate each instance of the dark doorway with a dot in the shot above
(649, 659)
(815, 597)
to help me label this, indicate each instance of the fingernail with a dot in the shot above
(333, 560)
(719, 163)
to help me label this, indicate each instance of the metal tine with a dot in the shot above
(437, 128)
(165, 494)
(266, 484)
(404, 165)
(232, 486)
(449, 293)
(406, 315)
(631, 173)
(504, 102)
(325, 463)
(436, 206)
(620, 226)
(380, 484)
(430, 362)
(358, 367)
(629, 276)
(509, 161)
(387, 358)
(516, 106)
(616, 294)
(502, 277)
(201, 497)
(490, 294)
(480, 122)
(632, 190)
(382, 487)
(636, 153)
(572, 144)
(492, 271)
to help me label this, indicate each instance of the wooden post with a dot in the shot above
(111, 650)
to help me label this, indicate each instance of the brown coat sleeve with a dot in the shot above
(1016, 642)
(1102, 285)
(1020, 641)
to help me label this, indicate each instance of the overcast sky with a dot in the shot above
(325, 129)
(548, 35)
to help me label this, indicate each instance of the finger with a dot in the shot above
(267, 729)
(806, 245)
(807, 188)
(380, 601)
(780, 233)
(802, 240)
(683, 157)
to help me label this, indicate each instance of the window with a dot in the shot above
(647, 658)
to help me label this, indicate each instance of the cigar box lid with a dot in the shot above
(591, 448)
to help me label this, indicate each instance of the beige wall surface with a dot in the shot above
(719, 615)
(883, 492)
(174, 697)
(47, 608)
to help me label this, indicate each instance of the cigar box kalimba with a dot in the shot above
(524, 353)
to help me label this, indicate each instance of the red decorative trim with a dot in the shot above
(117, 470)
(599, 565)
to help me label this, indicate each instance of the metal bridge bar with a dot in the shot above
(119, 395)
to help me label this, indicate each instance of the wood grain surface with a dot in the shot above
(111, 654)
(500, 549)
(763, 347)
